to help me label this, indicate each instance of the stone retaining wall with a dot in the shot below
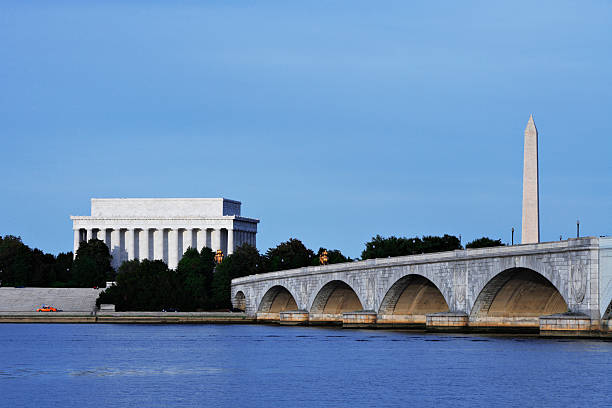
(66, 299)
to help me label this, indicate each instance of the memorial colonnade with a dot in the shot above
(163, 241)
(163, 228)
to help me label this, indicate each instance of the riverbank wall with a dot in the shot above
(362, 322)
(126, 317)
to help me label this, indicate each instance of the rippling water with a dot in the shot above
(46, 365)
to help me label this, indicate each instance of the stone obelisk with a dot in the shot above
(531, 193)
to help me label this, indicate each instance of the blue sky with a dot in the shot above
(331, 121)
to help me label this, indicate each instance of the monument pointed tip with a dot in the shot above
(530, 125)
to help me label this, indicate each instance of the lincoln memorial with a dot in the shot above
(163, 228)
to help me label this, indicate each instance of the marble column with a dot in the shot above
(115, 247)
(230, 241)
(77, 242)
(187, 239)
(115, 241)
(101, 235)
(173, 248)
(89, 235)
(129, 243)
(201, 239)
(215, 239)
(208, 234)
(158, 244)
(143, 244)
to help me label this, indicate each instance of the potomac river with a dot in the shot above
(112, 365)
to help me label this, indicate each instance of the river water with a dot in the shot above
(64, 365)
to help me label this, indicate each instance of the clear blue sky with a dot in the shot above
(331, 121)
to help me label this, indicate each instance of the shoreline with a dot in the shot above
(127, 317)
(236, 318)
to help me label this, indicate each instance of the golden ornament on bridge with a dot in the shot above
(323, 258)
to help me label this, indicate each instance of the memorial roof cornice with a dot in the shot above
(124, 218)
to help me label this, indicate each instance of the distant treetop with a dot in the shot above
(484, 242)
(380, 247)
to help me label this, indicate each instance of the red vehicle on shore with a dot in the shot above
(46, 308)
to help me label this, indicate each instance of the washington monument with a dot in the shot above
(531, 204)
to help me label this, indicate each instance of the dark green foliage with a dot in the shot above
(289, 255)
(22, 266)
(92, 265)
(63, 265)
(16, 262)
(144, 286)
(245, 261)
(484, 242)
(440, 244)
(380, 247)
(195, 272)
(151, 286)
(333, 256)
(43, 270)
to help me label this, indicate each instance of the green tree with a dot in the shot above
(289, 255)
(195, 271)
(246, 260)
(43, 269)
(63, 267)
(484, 242)
(143, 286)
(92, 265)
(440, 244)
(151, 286)
(380, 247)
(16, 262)
(22, 266)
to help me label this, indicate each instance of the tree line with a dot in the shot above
(380, 247)
(21, 265)
(198, 283)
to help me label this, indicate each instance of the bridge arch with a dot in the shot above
(332, 299)
(410, 299)
(517, 296)
(277, 299)
(239, 301)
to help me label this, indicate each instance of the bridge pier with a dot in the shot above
(325, 319)
(567, 324)
(606, 328)
(394, 321)
(359, 319)
(268, 317)
(447, 322)
(293, 318)
(556, 325)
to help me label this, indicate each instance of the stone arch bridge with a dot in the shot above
(557, 288)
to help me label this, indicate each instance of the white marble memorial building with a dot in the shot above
(163, 228)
